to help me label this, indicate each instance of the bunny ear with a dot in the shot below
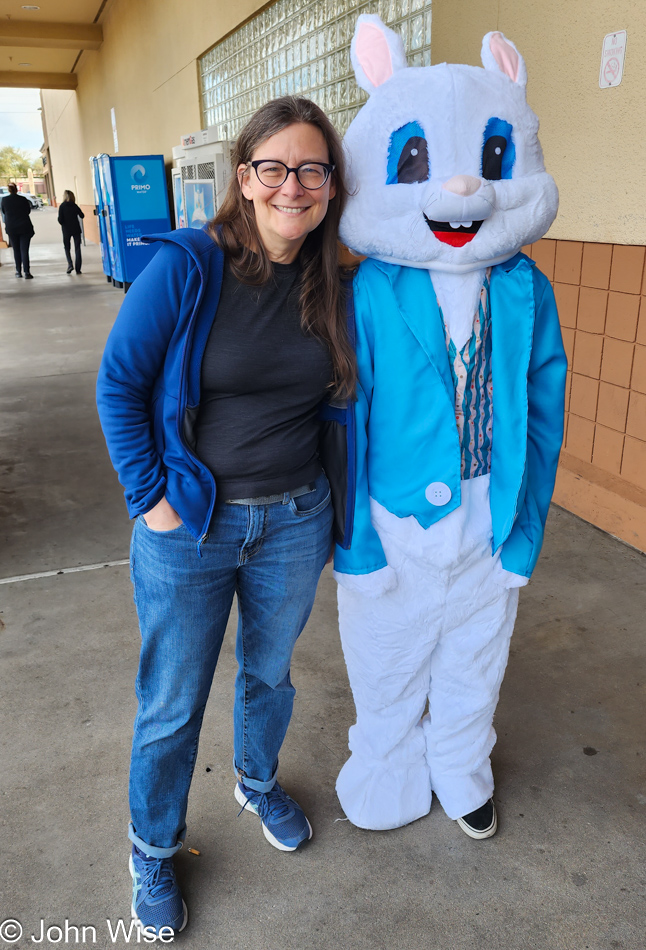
(376, 52)
(499, 54)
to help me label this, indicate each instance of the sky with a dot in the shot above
(20, 124)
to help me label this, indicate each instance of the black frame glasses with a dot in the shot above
(270, 161)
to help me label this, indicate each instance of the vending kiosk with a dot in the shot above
(101, 212)
(132, 202)
(200, 176)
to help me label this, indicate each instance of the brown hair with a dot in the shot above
(13, 188)
(69, 196)
(234, 228)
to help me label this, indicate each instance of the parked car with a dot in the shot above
(35, 201)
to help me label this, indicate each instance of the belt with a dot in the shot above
(283, 497)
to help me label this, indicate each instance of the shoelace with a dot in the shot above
(274, 804)
(158, 876)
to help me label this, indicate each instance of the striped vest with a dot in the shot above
(471, 372)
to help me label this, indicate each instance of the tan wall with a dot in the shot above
(146, 70)
(593, 138)
(66, 144)
(600, 290)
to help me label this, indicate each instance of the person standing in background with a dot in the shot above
(16, 211)
(68, 218)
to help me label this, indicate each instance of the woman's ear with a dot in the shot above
(332, 191)
(243, 178)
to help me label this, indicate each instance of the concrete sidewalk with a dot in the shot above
(567, 868)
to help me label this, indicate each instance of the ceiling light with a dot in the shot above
(30, 6)
(24, 64)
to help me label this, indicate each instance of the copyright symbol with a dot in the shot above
(10, 931)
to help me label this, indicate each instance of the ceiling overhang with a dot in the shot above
(37, 34)
(36, 80)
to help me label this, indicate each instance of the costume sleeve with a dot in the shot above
(365, 556)
(545, 409)
(132, 362)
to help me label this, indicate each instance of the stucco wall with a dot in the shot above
(593, 138)
(146, 70)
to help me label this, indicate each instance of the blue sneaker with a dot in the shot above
(156, 898)
(283, 821)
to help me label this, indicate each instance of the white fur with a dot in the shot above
(458, 295)
(392, 49)
(370, 585)
(453, 104)
(442, 635)
(442, 632)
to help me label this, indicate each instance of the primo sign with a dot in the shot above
(138, 173)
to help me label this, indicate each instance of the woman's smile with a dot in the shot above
(283, 224)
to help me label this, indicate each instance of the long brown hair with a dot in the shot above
(69, 196)
(234, 228)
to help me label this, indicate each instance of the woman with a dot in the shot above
(212, 427)
(68, 218)
(16, 211)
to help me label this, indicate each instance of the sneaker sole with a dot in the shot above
(249, 806)
(479, 835)
(133, 912)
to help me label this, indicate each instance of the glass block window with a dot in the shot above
(301, 47)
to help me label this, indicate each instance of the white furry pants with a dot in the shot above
(441, 636)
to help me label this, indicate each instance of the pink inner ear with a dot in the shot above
(373, 54)
(505, 55)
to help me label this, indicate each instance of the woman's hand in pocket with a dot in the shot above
(162, 517)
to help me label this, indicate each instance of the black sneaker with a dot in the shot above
(18, 274)
(69, 269)
(481, 823)
(28, 276)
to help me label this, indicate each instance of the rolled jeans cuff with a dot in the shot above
(150, 850)
(254, 783)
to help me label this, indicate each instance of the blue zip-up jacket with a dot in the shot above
(148, 388)
(407, 441)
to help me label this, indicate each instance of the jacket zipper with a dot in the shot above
(181, 408)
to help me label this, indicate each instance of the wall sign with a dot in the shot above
(613, 52)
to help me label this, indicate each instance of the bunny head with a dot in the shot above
(446, 170)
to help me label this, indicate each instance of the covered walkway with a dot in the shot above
(566, 870)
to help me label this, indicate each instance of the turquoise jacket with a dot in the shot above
(406, 435)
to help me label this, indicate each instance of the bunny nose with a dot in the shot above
(463, 185)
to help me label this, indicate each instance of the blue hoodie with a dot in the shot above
(148, 388)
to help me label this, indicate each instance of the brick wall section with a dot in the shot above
(600, 290)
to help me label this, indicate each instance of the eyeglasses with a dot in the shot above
(310, 175)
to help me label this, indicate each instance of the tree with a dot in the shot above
(16, 162)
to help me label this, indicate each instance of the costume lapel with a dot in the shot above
(418, 306)
(512, 329)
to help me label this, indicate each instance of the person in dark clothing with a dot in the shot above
(16, 210)
(68, 218)
(245, 323)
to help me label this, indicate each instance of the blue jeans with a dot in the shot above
(271, 556)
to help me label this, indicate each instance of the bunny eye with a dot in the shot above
(492, 156)
(408, 156)
(498, 152)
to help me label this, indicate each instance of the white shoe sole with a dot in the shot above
(250, 807)
(479, 835)
(133, 912)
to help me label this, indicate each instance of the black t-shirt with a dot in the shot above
(262, 381)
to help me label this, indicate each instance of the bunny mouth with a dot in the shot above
(454, 233)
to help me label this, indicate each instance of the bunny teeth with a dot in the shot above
(460, 224)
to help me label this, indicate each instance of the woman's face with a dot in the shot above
(285, 215)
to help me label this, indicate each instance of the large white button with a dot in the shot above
(438, 493)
